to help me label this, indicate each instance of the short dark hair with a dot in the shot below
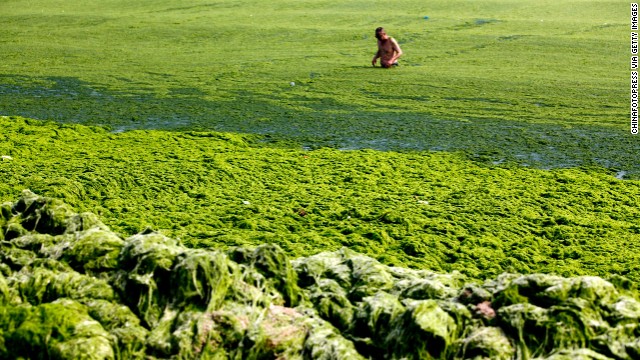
(378, 31)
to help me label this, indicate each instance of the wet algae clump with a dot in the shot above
(72, 289)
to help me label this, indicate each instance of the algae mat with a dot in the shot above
(68, 284)
(434, 211)
(535, 82)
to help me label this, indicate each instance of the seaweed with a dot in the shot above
(479, 220)
(70, 291)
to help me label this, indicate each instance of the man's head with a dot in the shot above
(381, 34)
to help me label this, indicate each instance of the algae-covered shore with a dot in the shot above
(539, 83)
(232, 179)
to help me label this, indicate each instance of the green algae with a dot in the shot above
(61, 329)
(556, 100)
(332, 303)
(269, 261)
(94, 252)
(434, 211)
(424, 331)
(487, 343)
(201, 303)
(373, 321)
(42, 285)
(454, 64)
(127, 336)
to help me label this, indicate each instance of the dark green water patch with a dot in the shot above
(315, 120)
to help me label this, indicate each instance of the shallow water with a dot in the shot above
(543, 145)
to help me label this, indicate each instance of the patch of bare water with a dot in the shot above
(496, 142)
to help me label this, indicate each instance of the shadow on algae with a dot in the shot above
(315, 123)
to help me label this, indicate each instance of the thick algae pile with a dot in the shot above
(70, 288)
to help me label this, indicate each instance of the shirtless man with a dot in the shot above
(388, 50)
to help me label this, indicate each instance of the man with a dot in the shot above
(388, 50)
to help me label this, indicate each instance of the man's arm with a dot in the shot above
(397, 51)
(375, 58)
(377, 55)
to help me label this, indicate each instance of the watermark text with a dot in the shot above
(634, 67)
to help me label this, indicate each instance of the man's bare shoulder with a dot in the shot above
(394, 44)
